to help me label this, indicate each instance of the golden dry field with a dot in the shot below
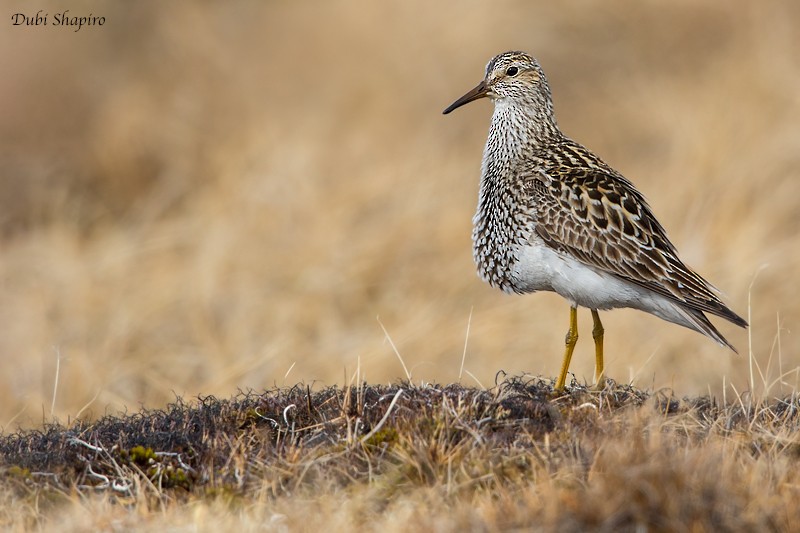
(201, 198)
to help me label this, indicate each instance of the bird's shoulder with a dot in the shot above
(569, 183)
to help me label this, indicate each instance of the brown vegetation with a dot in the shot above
(421, 457)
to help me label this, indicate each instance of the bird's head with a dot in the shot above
(515, 77)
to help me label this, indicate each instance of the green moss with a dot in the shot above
(386, 436)
(18, 472)
(252, 416)
(175, 478)
(140, 455)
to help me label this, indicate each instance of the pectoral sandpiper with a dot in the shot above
(552, 216)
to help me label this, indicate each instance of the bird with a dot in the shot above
(553, 216)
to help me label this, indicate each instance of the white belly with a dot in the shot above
(539, 268)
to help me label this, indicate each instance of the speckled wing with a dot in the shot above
(586, 209)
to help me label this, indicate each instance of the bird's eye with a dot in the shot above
(512, 71)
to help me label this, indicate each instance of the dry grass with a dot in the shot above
(422, 457)
(200, 198)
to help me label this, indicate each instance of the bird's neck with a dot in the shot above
(517, 131)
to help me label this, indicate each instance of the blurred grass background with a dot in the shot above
(201, 197)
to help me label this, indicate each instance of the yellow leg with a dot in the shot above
(572, 338)
(597, 334)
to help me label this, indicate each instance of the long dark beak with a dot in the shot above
(481, 91)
